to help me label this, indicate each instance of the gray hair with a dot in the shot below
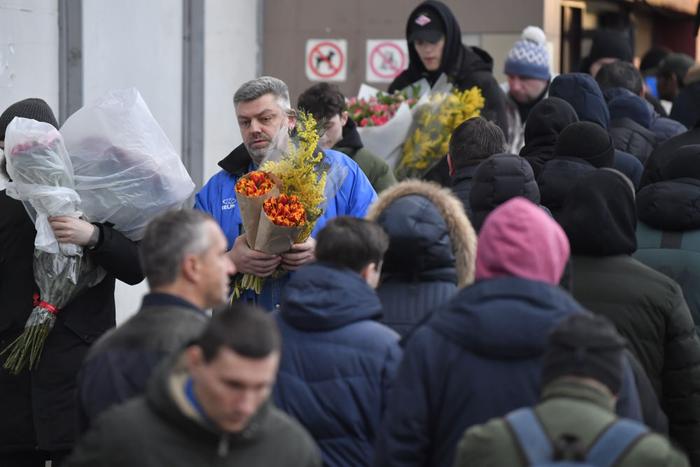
(258, 87)
(168, 239)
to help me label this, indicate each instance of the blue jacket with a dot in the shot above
(476, 359)
(218, 198)
(583, 93)
(337, 361)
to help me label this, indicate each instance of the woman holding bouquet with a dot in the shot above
(38, 407)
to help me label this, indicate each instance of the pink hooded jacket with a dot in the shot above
(519, 239)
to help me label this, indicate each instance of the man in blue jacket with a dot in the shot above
(338, 361)
(265, 119)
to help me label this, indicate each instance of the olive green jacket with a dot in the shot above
(376, 169)
(567, 407)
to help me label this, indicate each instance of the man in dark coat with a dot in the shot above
(208, 405)
(546, 120)
(581, 377)
(339, 361)
(39, 406)
(479, 356)
(646, 306)
(471, 143)
(583, 93)
(327, 104)
(183, 254)
(668, 234)
(435, 47)
(621, 74)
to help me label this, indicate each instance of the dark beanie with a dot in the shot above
(610, 44)
(587, 141)
(33, 108)
(585, 345)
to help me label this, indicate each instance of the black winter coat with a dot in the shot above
(464, 66)
(646, 306)
(39, 406)
(164, 428)
(120, 363)
(686, 106)
(557, 178)
(665, 152)
(631, 137)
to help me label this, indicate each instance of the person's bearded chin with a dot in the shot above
(274, 150)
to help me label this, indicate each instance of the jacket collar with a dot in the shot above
(571, 389)
(237, 162)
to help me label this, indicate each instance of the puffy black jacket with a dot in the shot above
(666, 152)
(647, 307)
(431, 251)
(498, 179)
(629, 126)
(686, 106)
(464, 66)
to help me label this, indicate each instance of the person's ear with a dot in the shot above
(371, 273)
(194, 357)
(450, 165)
(190, 267)
(343, 118)
(291, 120)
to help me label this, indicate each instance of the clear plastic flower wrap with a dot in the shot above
(42, 178)
(126, 169)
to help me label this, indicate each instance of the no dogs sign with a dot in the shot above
(326, 59)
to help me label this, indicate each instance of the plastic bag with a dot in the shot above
(126, 169)
(42, 178)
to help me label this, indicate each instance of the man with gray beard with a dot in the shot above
(266, 120)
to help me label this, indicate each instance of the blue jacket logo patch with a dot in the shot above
(228, 203)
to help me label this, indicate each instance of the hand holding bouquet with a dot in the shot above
(288, 198)
(42, 178)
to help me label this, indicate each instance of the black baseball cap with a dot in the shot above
(426, 25)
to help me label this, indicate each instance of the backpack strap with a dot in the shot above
(530, 435)
(614, 442)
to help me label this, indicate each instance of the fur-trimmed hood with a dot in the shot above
(429, 231)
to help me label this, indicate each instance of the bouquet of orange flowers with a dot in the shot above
(281, 202)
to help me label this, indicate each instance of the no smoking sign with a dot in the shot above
(326, 59)
(386, 59)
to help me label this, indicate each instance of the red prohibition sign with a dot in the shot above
(386, 60)
(318, 56)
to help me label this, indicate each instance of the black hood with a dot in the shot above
(498, 179)
(666, 152)
(674, 202)
(599, 215)
(456, 58)
(547, 119)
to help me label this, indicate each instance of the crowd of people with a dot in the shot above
(532, 300)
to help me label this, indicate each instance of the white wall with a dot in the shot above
(28, 51)
(135, 43)
(230, 59)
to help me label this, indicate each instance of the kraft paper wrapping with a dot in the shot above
(275, 239)
(251, 209)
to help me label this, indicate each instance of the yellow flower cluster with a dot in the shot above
(301, 173)
(436, 120)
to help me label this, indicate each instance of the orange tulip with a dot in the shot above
(254, 184)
